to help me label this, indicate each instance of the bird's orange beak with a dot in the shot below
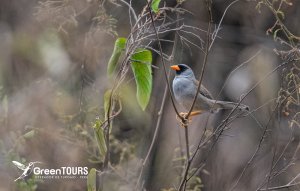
(175, 67)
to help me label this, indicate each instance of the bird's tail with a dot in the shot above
(230, 105)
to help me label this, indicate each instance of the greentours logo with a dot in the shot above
(65, 172)
(27, 170)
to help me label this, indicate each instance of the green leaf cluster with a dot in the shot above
(155, 5)
(91, 180)
(141, 67)
(99, 133)
(141, 61)
(119, 47)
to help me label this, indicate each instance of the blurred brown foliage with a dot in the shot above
(53, 59)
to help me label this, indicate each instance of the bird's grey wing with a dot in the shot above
(203, 90)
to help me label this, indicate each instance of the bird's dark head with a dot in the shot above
(182, 69)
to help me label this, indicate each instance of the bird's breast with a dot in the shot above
(184, 91)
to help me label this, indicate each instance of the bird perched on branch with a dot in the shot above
(185, 87)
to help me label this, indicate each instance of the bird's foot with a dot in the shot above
(183, 114)
(183, 120)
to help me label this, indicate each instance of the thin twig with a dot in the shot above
(234, 70)
(162, 58)
(219, 25)
(208, 2)
(131, 9)
(157, 127)
(281, 187)
(185, 121)
(257, 149)
(220, 128)
(160, 112)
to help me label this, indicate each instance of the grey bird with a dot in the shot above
(185, 87)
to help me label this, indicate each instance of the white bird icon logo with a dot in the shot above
(27, 170)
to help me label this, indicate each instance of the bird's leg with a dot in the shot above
(193, 113)
(198, 112)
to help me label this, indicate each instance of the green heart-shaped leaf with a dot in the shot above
(100, 137)
(154, 5)
(91, 180)
(141, 67)
(119, 47)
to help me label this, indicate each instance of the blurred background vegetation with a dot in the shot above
(53, 62)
